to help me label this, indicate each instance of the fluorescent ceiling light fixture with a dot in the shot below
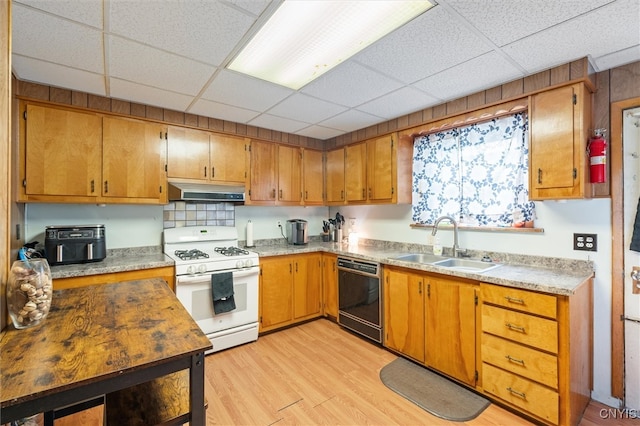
(304, 39)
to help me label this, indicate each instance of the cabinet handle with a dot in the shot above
(515, 327)
(281, 194)
(296, 267)
(274, 194)
(429, 290)
(106, 186)
(290, 270)
(516, 360)
(370, 193)
(539, 175)
(213, 172)
(306, 195)
(363, 195)
(93, 186)
(515, 392)
(514, 300)
(420, 287)
(342, 194)
(205, 171)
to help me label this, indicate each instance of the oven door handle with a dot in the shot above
(186, 279)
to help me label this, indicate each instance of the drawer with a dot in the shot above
(534, 331)
(530, 396)
(522, 300)
(530, 363)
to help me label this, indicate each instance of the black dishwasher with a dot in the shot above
(359, 295)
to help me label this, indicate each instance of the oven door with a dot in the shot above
(194, 291)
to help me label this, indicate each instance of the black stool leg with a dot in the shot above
(49, 416)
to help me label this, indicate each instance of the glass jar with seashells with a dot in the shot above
(29, 292)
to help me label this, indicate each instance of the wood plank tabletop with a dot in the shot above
(96, 333)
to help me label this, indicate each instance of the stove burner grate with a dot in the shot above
(231, 251)
(191, 254)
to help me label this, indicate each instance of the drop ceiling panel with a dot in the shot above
(400, 102)
(283, 124)
(203, 30)
(56, 40)
(59, 76)
(503, 21)
(255, 7)
(87, 11)
(351, 120)
(351, 84)
(319, 132)
(624, 56)
(222, 111)
(596, 33)
(145, 65)
(153, 96)
(304, 108)
(240, 90)
(488, 70)
(429, 44)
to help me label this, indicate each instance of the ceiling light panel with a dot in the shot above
(305, 39)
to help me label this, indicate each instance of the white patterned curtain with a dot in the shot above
(477, 174)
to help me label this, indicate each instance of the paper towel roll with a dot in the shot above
(249, 234)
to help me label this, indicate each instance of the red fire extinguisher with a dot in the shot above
(597, 150)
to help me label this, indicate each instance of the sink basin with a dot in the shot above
(469, 265)
(420, 258)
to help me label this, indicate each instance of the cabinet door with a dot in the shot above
(307, 285)
(289, 174)
(276, 275)
(380, 156)
(335, 176)
(404, 313)
(451, 328)
(228, 159)
(63, 152)
(188, 153)
(133, 159)
(312, 176)
(263, 172)
(356, 172)
(330, 284)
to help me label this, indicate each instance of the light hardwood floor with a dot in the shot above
(316, 374)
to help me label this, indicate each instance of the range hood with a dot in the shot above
(179, 191)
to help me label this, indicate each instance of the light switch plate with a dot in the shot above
(586, 242)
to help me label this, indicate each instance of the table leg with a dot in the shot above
(196, 390)
(49, 416)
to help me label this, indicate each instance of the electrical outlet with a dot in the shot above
(279, 224)
(586, 242)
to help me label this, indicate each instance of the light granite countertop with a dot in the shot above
(544, 274)
(117, 260)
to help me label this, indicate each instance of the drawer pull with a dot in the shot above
(514, 300)
(516, 360)
(515, 392)
(515, 327)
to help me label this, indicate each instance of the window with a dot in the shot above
(477, 173)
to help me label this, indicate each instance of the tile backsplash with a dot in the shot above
(188, 213)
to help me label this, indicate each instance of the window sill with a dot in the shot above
(482, 228)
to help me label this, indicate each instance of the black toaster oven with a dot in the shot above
(75, 244)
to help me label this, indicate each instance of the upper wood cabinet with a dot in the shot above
(62, 152)
(376, 171)
(559, 132)
(289, 168)
(133, 159)
(69, 156)
(335, 176)
(312, 177)
(262, 173)
(205, 156)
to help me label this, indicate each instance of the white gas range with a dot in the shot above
(216, 281)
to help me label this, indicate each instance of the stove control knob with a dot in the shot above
(190, 270)
(239, 264)
(248, 263)
(202, 269)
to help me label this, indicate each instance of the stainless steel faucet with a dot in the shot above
(456, 248)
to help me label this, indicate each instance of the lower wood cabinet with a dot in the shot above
(432, 319)
(330, 285)
(167, 273)
(290, 289)
(536, 351)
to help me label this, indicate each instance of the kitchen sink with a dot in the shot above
(420, 258)
(469, 265)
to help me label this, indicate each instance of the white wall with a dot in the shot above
(135, 226)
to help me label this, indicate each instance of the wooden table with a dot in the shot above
(99, 339)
